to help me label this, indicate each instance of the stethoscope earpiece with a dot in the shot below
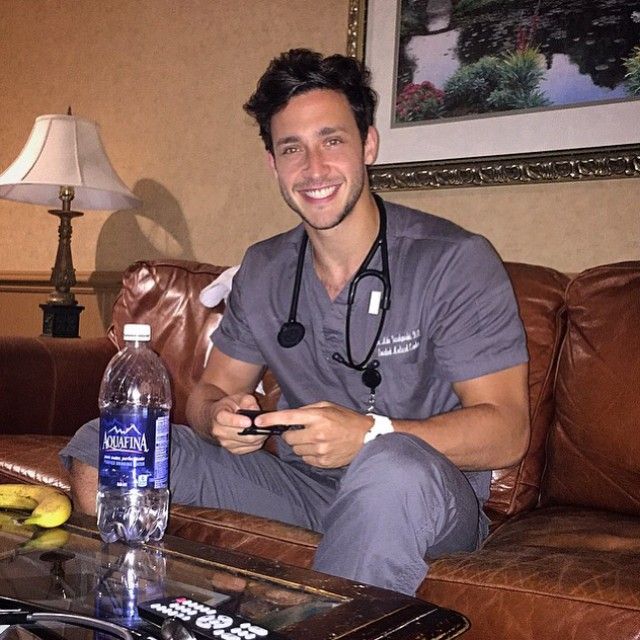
(291, 333)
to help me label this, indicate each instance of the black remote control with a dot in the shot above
(253, 430)
(203, 621)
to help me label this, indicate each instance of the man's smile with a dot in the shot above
(319, 193)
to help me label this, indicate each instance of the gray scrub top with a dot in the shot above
(453, 317)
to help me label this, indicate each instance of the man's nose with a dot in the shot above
(316, 162)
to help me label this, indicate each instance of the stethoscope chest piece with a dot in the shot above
(291, 333)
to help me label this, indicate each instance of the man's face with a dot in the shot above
(319, 157)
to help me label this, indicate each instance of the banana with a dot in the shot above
(9, 523)
(36, 539)
(48, 539)
(49, 506)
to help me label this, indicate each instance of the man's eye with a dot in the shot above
(288, 150)
(332, 142)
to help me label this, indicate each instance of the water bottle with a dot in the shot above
(124, 580)
(133, 471)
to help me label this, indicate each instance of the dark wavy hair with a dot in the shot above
(300, 70)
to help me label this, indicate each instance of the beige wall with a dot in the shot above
(568, 226)
(166, 80)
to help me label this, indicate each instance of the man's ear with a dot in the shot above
(272, 163)
(371, 144)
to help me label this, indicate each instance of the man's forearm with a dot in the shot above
(490, 431)
(223, 377)
(200, 408)
(474, 438)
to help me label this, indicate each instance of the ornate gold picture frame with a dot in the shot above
(364, 41)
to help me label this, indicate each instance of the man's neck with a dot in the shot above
(339, 252)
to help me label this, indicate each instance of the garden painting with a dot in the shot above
(470, 58)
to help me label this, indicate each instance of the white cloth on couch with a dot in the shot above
(212, 295)
(218, 290)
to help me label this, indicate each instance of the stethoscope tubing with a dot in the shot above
(363, 271)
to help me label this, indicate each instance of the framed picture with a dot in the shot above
(490, 92)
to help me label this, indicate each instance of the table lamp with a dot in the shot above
(64, 160)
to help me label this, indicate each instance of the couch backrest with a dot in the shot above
(540, 295)
(594, 443)
(165, 294)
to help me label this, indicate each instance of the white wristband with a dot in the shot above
(381, 425)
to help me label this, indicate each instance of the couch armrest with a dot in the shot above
(50, 385)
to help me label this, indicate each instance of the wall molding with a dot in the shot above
(88, 282)
(21, 293)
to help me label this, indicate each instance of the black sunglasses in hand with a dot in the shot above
(254, 430)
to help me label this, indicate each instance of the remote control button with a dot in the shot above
(259, 631)
(214, 622)
(229, 636)
(222, 622)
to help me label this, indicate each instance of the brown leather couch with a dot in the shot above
(563, 559)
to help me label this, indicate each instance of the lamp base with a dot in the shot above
(61, 320)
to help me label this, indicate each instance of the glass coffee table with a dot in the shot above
(72, 571)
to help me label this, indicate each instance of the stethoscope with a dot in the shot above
(292, 332)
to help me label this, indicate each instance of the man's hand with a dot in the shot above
(331, 437)
(226, 423)
(225, 386)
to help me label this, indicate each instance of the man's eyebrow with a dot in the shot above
(287, 140)
(325, 131)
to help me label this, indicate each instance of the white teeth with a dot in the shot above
(320, 193)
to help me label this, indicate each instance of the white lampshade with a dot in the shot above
(65, 150)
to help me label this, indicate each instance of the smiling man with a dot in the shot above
(394, 336)
(320, 169)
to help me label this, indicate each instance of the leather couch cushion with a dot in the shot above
(570, 529)
(594, 448)
(164, 294)
(539, 291)
(552, 573)
(33, 459)
(250, 534)
(537, 594)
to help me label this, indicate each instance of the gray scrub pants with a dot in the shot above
(396, 505)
